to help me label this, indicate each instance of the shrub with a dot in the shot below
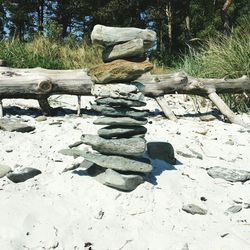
(46, 53)
(223, 56)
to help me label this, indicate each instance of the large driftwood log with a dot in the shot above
(40, 83)
(32, 83)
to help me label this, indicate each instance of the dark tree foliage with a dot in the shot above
(177, 22)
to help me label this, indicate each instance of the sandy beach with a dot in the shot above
(71, 210)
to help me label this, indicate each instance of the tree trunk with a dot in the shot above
(40, 14)
(224, 15)
(187, 21)
(170, 16)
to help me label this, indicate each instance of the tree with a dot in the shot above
(21, 17)
(40, 15)
(2, 19)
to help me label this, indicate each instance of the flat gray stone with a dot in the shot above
(185, 247)
(119, 90)
(124, 121)
(119, 102)
(111, 111)
(23, 174)
(15, 126)
(194, 209)
(188, 152)
(127, 147)
(41, 118)
(131, 49)
(111, 178)
(4, 170)
(106, 36)
(121, 132)
(162, 151)
(234, 209)
(120, 163)
(207, 118)
(79, 163)
(75, 144)
(72, 152)
(228, 174)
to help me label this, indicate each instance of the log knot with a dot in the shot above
(45, 86)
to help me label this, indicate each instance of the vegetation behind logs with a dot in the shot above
(56, 34)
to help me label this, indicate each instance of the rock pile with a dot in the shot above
(119, 162)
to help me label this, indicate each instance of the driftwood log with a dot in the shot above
(41, 83)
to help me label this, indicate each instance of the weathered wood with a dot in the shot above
(165, 108)
(23, 83)
(45, 107)
(225, 110)
(1, 108)
(38, 82)
(78, 105)
(13, 86)
(158, 85)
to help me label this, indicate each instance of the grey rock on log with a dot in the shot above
(121, 132)
(228, 174)
(4, 170)
(23, 174)
(111, 178)
(121, 163)
(110, 111)
(125, 91)
(194, 209)
(15, 126)
(130, 49)
(127, 147)
(107, 36)
(120, 102)
(122, 121)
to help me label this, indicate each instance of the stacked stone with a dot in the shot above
(121, 144)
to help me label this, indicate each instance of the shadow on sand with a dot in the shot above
(34, 112)
(162, 157)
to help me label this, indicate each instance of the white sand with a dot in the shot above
(66, 210)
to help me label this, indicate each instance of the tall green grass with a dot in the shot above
(223, 56)
(218, 57)
(43, 52)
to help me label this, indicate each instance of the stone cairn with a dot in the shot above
(119, 162)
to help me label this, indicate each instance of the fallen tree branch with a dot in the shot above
(1, 108)
(225, 110)
(165, 108)
(23, 83)
(41, 83)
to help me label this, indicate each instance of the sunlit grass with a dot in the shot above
(223, 57)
